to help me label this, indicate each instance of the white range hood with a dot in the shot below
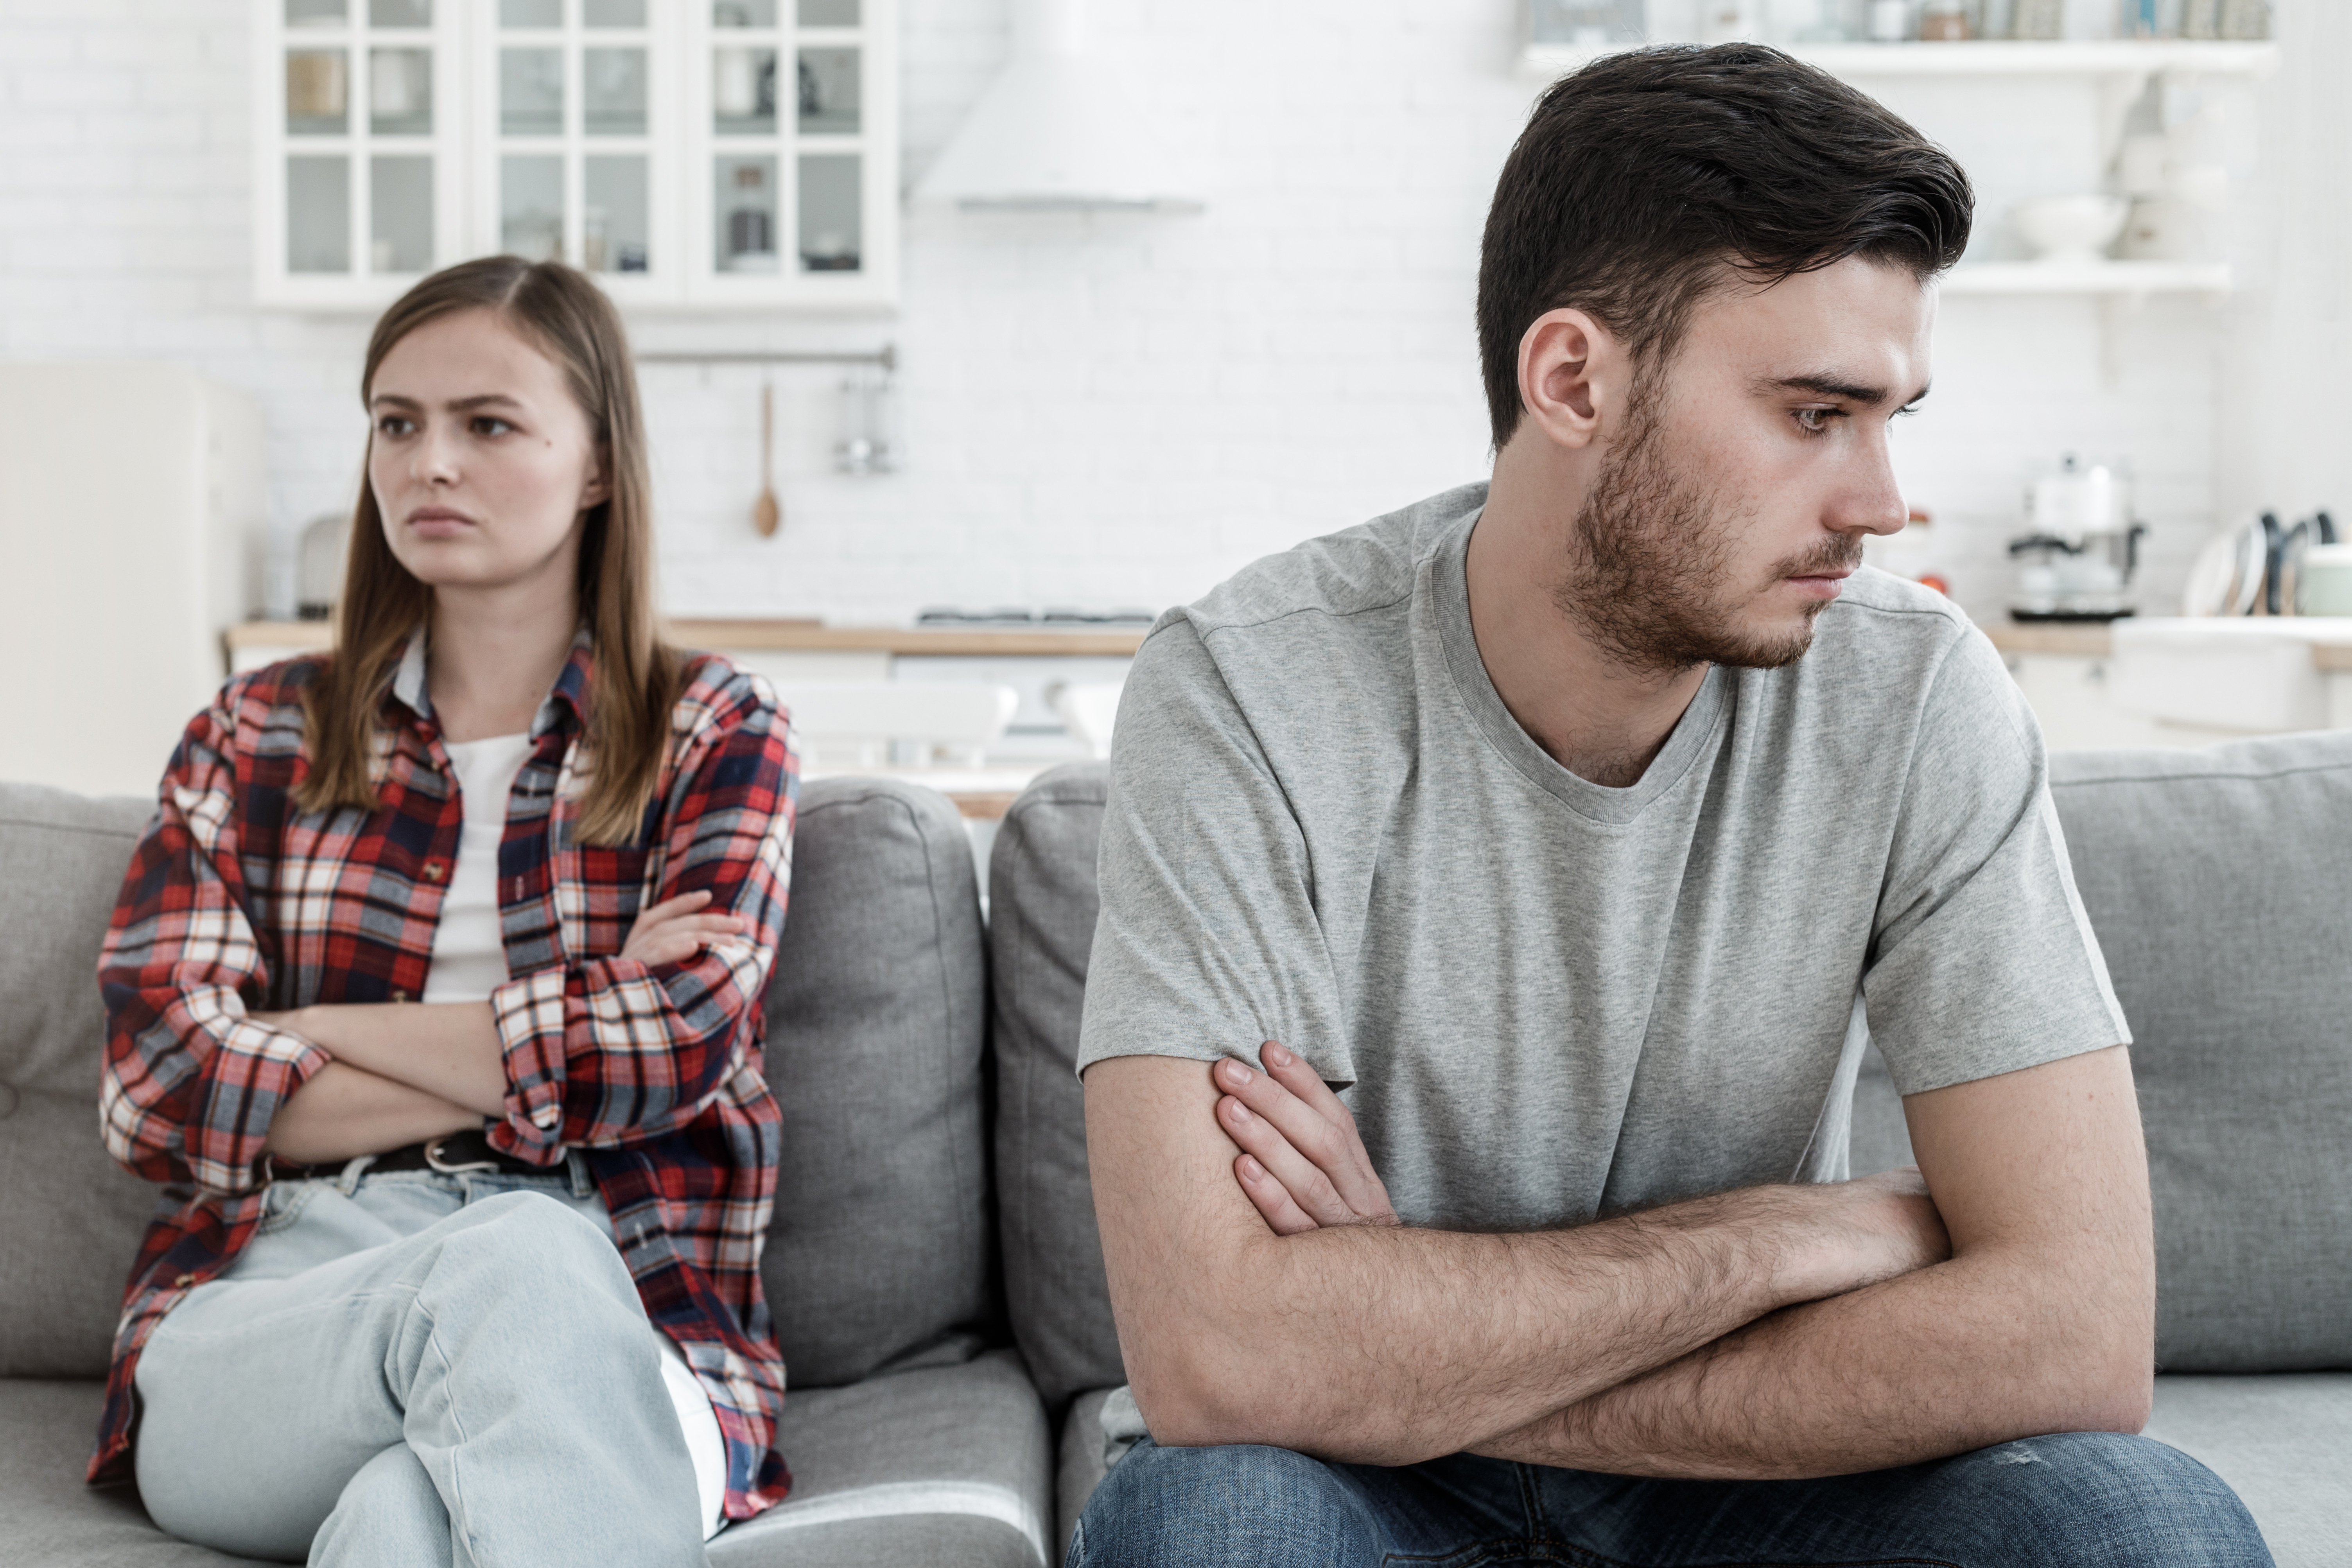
(1059, 131)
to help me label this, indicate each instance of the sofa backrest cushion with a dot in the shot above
(1041, 903)
(877, 1020)
(75, 1216)
(2220, 882)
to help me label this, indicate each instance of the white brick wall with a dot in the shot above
(1096, 412)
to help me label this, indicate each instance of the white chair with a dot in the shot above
(1087, 709)
(844, 725)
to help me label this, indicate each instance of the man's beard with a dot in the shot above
(1649, 569)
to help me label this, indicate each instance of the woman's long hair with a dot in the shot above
(636, 674)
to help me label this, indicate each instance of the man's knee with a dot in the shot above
(1235, 1505)
(2096, 1499)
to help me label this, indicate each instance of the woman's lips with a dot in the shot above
(439, 524)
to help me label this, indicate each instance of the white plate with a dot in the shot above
(2212, 578)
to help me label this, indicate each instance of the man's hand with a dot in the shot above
(677, 929)
(1302, 1160)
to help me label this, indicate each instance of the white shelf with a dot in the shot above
(1990, 56)
(2088, 277)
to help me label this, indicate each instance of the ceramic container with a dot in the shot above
(2070, 229)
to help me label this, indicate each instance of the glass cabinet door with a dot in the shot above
(357, 194)
(578, 109)
(791, 142)
(705, 152)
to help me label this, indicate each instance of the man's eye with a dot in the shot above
(1815, 421)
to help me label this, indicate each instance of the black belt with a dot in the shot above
(451, 1155)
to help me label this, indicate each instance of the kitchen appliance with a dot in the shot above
(318, 582)
(2077, 564)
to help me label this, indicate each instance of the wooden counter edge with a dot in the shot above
(795, 636)
(2074, 641)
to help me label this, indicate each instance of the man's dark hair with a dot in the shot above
(1647, 178)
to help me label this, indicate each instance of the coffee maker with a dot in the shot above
(2078, 561)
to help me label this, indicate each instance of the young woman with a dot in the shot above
(435, 999)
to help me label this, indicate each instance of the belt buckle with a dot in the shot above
(433, 1159)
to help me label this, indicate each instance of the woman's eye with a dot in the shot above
(392, 424)
(485, 425)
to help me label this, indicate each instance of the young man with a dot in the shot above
(1586, 825)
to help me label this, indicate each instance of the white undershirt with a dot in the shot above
(469, 959)
(470, 962)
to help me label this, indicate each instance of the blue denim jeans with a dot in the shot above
(420, 1371)
(2078, 1499)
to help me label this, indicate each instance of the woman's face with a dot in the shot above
(481, 462)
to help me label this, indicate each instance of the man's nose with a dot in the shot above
(1873, 501)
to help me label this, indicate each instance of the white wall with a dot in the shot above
(2286, 432)
(1096, 412)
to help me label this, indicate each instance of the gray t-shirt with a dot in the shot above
(1554, 1000)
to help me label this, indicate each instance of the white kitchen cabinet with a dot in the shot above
(691, 153)
(358, 183)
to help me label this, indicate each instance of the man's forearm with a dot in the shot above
(1974, 1352)
(1386, 1344)
(1393, 1345)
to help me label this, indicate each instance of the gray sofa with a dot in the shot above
(938, 1306)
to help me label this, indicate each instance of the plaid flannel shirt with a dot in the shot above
(236, 902)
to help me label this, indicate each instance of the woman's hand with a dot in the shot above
(1302, 1160)
(674, 931)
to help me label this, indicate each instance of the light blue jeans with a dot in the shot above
(415, 1369)
(2082, 1500)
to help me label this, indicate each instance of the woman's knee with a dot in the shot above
(532, 1236)
(1240, 1504)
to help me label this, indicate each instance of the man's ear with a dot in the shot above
(1572, 372)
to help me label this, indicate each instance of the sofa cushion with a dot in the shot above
(938, 1465)
(48, 1517)
(2280, 1441)
(1080, 1462)
(1041, 882)
(77, 1215)
(2220, 882)
(877, 1021)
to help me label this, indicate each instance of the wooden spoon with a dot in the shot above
(766, 515)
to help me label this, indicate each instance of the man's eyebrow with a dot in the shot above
(1826, 385)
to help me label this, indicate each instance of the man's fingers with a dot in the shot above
(1308, 1187)
(1320, 1127)
(1289, 1069)
(1282, 1213)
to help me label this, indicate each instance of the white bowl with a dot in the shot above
(2071, 229)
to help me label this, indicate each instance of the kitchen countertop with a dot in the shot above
(2077, 640)
(796, 636)
(802, 636)
(2081, 641)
